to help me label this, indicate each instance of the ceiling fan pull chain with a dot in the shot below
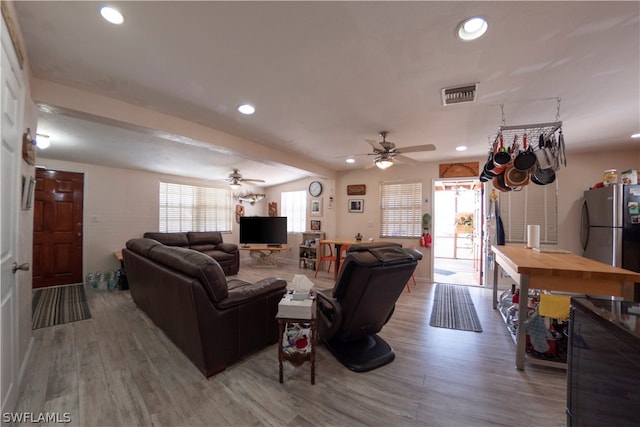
(558, 109)
(504, 121)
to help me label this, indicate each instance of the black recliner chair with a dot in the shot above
(362, 301)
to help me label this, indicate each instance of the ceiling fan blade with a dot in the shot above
(252, 180)
(370, 165)
(416, 148)
(375, 144)
(405, 159)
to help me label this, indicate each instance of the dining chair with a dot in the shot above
(331, 258)
(412, 276)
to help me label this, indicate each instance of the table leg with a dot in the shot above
(281, 329)
(313, 352)
(495, 282)
(521, 333)
(338, 247)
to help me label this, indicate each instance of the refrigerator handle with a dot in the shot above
(584, 226)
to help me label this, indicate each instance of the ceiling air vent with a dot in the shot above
(459, 94)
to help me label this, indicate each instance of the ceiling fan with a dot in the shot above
(386, 152)
(235, 179)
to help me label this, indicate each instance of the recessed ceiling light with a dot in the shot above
(247, 109)
(111, 15)
(472, 28)
(635, 135)
(461, 148)
(351, 160)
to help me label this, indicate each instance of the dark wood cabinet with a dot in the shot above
(603, 377)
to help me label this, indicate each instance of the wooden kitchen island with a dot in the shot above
(561, 272)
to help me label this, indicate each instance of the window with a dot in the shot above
(534, 204)
(294, 207)
(401, 209)
(192, 208)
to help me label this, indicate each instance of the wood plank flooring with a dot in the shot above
(118, 369)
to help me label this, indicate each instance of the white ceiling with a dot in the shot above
(326, 75)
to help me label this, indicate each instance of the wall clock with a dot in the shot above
(315, 188)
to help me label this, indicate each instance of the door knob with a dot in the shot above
(15, 267)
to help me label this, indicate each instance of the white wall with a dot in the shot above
(121, 204)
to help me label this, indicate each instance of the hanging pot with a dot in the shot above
(501, 157)
(515, 177)
(543, 176)
(525, 158)
(499, 184)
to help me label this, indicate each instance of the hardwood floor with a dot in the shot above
(118, 369)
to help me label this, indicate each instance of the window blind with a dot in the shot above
(534, 204)
(294, 207)
(193, 208)
(401, 209)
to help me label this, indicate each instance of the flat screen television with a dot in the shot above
(263, 230)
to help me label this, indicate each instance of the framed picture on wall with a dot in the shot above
(356, 205)
(316, 207)
(315, 225)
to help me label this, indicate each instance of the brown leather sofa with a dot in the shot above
(207, 242)
(215, 322)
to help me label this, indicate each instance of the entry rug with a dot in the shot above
(454, 309)
(61, 304)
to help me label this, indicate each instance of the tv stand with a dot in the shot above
(265, 255)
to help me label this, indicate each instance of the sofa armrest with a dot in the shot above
(227, 247)
(241, 292)
(329, 314)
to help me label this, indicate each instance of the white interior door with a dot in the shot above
(12, 111)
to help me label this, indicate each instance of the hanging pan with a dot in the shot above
(499, 184)
(525, 158)
(501, 157)
(543, 176)
(515, 177)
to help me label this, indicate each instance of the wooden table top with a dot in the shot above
(262, 248)
(339, 241)
(527, 261)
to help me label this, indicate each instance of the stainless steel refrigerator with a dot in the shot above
(611, 225)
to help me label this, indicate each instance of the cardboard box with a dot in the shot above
(295, 309)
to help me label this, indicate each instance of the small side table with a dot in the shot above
(298, 357)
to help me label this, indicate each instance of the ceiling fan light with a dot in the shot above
(42, 141)
(384, 163)
(235, 185)
(351, 160)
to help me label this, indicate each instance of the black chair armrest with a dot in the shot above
(329, 314)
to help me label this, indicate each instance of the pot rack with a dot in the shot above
(509, 133)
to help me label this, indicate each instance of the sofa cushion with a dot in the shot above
(194, 264)
(240, 291)
(219, 255)
(142, 246)
(196, 238)
(169, 239)
(227, 247)
(203, 248)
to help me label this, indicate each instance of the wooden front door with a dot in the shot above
(57, 228)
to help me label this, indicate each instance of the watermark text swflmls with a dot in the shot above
(36, 417)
